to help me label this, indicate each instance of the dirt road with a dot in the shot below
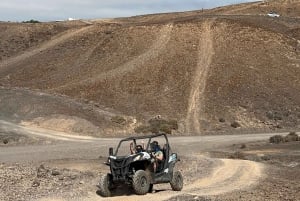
(204, 176)
(84, 147)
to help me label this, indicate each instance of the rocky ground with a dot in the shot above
(76, 179)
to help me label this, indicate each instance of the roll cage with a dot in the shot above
(145, 137)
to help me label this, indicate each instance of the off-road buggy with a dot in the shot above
(137, 169)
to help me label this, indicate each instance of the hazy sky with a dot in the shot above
(47, 10)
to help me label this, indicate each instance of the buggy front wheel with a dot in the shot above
(177, 181)
(141, 182)
(105, 185)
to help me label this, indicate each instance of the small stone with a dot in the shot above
(36, 183)
(60, 177)
(73, 177)
(222, 120)
(81, 182)
(55, 172)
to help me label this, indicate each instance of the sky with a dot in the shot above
(49, 10)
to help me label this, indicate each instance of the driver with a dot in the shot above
(136, 149)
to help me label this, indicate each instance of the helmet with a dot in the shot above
(154, 146)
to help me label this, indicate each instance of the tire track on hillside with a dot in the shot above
(196, 99)
(49, 44)
(136, 63)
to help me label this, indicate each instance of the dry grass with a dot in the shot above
(158, 125)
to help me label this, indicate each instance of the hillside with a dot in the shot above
(205, 69)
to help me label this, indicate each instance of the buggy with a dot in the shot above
(139, 169)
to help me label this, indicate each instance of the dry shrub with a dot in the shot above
(235, 124)
(276, 139)
(156, 125)
(243, 146)
(274, 115)
(118, 120)
(237, 155)
(292, 136)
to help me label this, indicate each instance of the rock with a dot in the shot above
(60, 177)
(5, 141)
(36, 183)
(81, 182)
(41, 171)
(73, 177)
(67, 183)
(222, 120)
(55, 172)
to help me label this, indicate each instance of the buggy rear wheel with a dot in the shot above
(177, 181)
(141, 182)
(105, 185)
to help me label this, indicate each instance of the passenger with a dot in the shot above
(158, 155)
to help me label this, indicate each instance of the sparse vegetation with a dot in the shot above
(235, 124)
(237, 155)
(157, 125)
(274, 115)
(118, 120)
(276, 139)
(292, 136)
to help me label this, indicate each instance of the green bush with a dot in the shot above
(31, 21)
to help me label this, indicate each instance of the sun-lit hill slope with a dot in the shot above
(205, 69)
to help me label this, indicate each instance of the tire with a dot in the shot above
(177, 181)
(141, 182)
(105, 185)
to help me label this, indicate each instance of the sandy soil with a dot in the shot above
(70, 167)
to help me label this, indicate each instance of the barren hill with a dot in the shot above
(209, 70)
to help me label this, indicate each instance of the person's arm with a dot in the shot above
(131, 148)
(143, 145)
(159, 155)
